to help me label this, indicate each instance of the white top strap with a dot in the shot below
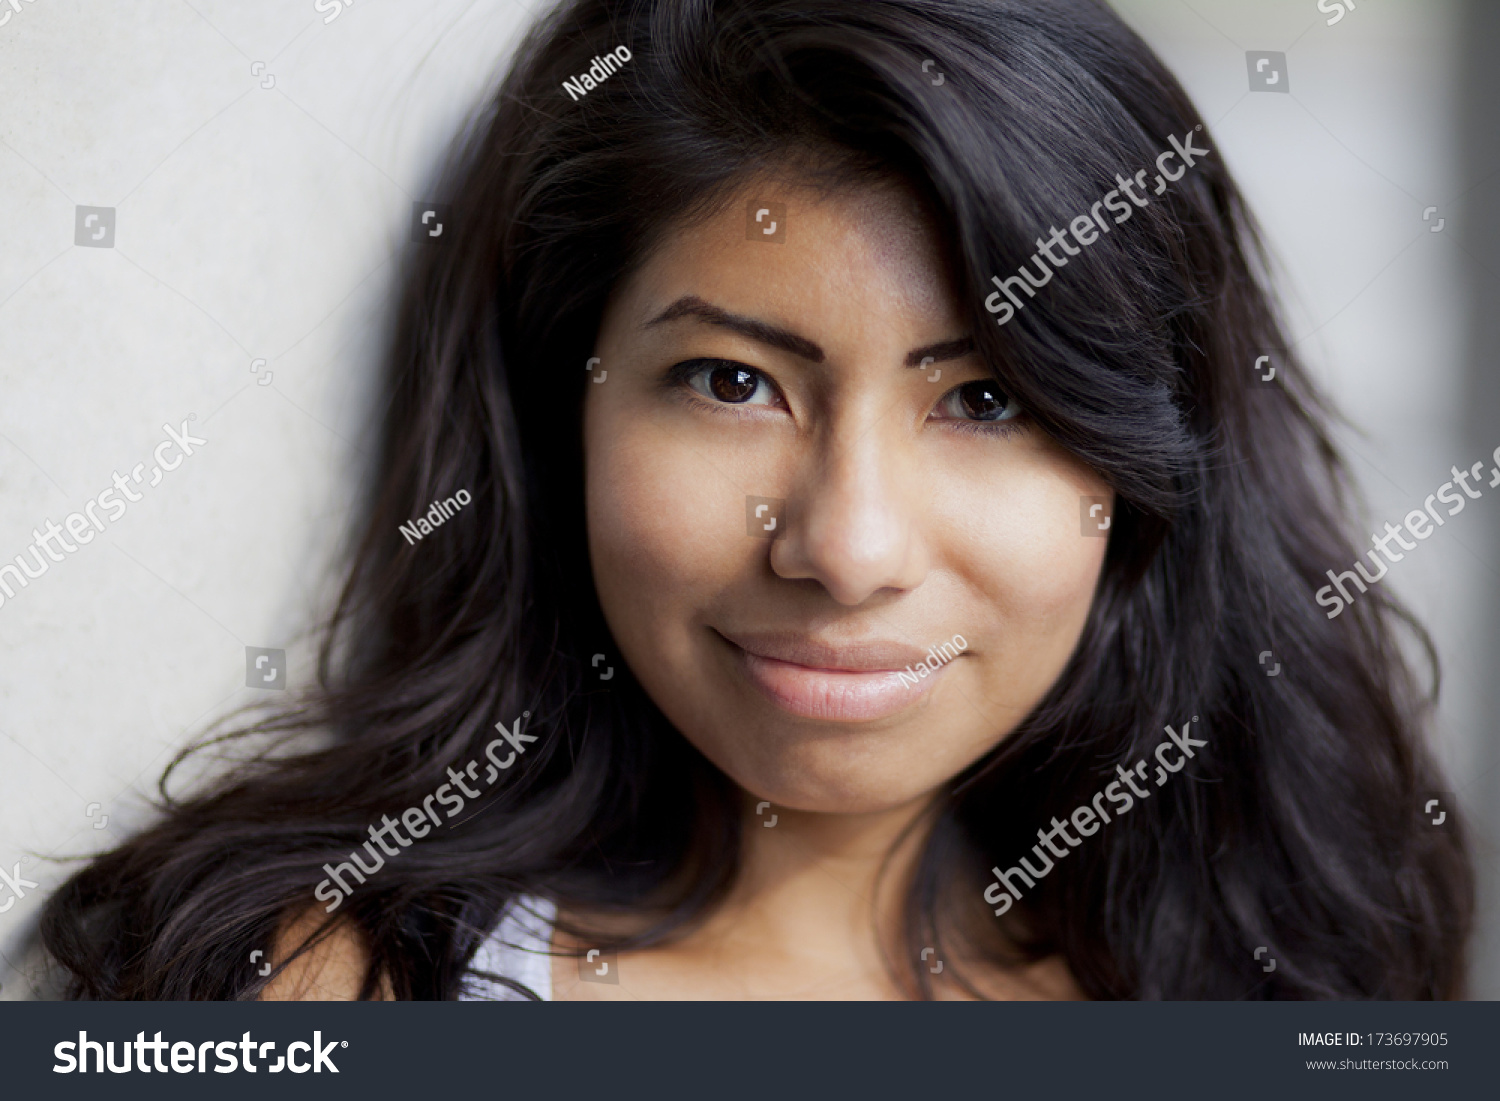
(517, 949)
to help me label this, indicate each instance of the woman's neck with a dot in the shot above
(815, 912)
(828, 885)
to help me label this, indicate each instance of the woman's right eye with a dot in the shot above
(725, 381)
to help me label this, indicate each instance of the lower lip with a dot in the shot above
(831, 694)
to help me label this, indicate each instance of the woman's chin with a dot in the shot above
(828, 779)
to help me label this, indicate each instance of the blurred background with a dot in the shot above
(252, 171)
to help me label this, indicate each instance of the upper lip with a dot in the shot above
(867, 656)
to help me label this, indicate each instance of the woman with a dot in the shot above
(851, 533)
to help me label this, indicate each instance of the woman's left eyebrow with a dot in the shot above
(690, 305)
(937, 353)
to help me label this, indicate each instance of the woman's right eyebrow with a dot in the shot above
(690, 305)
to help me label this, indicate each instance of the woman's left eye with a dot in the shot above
(980, 401)
(726, 382)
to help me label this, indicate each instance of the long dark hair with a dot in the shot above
(1295, 829)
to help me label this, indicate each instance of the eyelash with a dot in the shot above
(679, 380)
(679, 375)
(995, 430)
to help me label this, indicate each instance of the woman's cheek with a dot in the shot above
(658, 521)
(1023, 543)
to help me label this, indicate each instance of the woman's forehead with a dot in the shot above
(859, 244)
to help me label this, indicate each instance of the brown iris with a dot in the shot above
(731, 384)
(982, 400)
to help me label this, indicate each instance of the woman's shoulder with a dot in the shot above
(332, 969)
(514, 964)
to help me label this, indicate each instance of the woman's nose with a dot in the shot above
(854, 517)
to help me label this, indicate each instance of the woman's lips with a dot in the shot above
(866, 684)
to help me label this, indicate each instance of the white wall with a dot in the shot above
(251, 222)
(1340, 170)
(264, 223)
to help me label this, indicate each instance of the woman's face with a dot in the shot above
(802, 484)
